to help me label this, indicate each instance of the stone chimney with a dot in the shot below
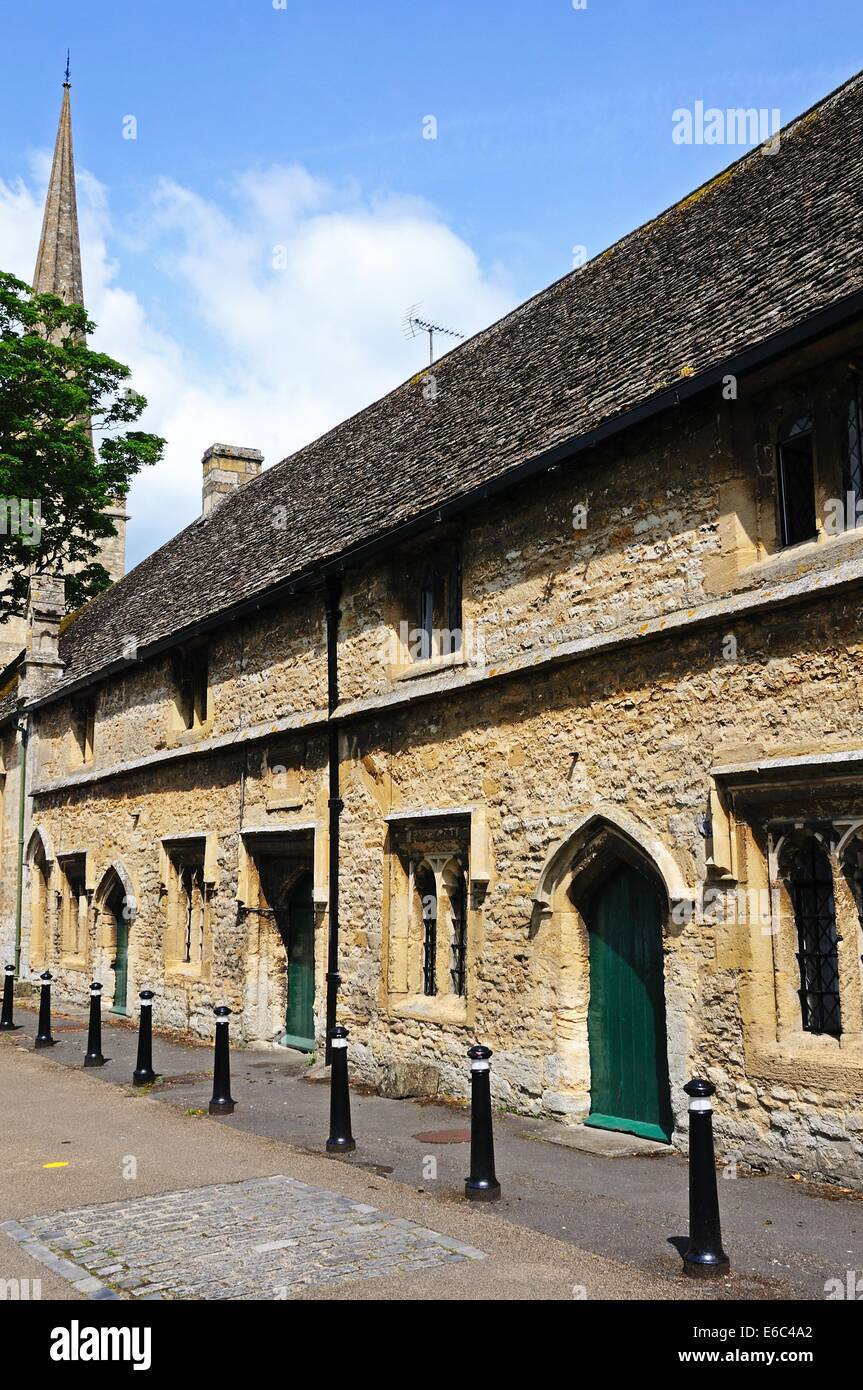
(42, 665)
(226, 468)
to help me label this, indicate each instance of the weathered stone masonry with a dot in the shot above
(652, 688)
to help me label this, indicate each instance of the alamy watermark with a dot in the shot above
(423, 644)
(751, 125)
(20, 1290)
(850, 1288)
(21, 516)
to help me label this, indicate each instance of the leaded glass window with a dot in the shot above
(852, 462)
(796, 467)
(426, 891)
(809, 879)
(458, 929)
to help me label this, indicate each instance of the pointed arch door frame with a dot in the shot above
(116, 905)
(575, 867)
(626, 1019)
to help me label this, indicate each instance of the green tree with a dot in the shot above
(56, 397)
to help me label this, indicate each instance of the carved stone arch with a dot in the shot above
(39, 839)
(39, 912)
(596, 847)
(633, 840)
(119, 870)
(853, 831)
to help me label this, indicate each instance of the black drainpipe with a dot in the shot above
(332, 598)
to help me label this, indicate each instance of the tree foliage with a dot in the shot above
(57, 398)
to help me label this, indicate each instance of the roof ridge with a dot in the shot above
(721, 176)
(681, 294)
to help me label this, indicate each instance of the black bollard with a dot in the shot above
(704, 1258)
(222, 1102)
(93, 1057)
(43, 1036)
(341, 1141)
(143, 1075)
(482, 1185)
(7, 1019)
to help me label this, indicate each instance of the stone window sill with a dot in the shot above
(430, 666)
(285, 803)
(72, 962)
(185, 970)
(178, 738)
(802, 1062)
(439, 1008)
(814, 554)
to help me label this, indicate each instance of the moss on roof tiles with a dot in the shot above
(760, 248)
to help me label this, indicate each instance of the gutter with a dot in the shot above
(336, 806)
(767, 350)
(24, 733)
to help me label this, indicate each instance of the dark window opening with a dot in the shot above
(440, 603)
(796, 481)
(426, 891)
(192, 686)
(74, 903)
(809, 878)
(852, 462)
(458, 942)
(192, 903)
(84, 728)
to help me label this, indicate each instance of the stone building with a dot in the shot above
(58, 271)
(523, 706)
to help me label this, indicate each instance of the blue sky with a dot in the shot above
(301, 128)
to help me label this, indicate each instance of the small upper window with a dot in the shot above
(852, 459)
(796, 469)
(84, 728)
(192, 678)
(440, 608)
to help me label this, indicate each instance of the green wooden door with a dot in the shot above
(626, 1018)
(121, 965)
(300, 944)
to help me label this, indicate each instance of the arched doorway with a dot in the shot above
(297, 928)
(288, 895)
(629, 1086)
(116, 905)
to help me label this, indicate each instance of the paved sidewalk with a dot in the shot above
(785, 1238)
(265, 1238)
(166, 1199)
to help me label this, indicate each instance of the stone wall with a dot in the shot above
(618, 741)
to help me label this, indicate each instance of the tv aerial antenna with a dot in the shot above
(414, 326)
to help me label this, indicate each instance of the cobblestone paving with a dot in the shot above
(267, 1238)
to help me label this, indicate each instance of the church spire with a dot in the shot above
(58, 264)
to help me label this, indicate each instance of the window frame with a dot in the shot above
(787, 435)
(74, 903)
(187, 861)
(192, 689)
(813, 920)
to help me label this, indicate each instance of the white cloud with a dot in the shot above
(287, 300)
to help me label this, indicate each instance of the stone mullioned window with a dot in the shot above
(429, 919)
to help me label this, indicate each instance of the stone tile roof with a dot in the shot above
(768, 243)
